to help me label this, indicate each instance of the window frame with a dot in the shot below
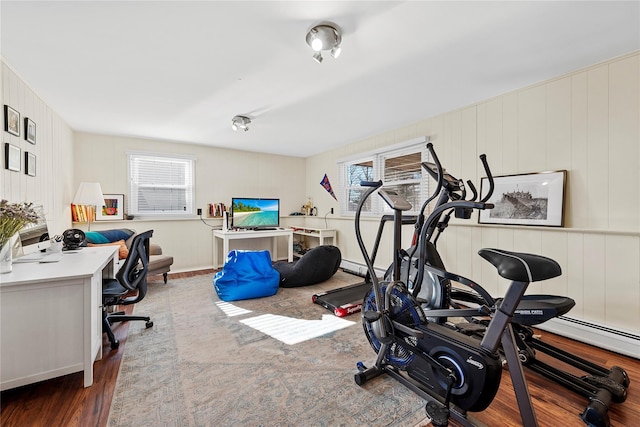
(132, 187)
(377, 157)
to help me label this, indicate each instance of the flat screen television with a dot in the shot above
(255, 213)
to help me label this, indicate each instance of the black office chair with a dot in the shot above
(131, 277)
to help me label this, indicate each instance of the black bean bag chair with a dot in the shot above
(317, 265)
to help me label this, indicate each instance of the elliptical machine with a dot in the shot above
(600, 385)
(454, 372)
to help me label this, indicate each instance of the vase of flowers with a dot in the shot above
(13, 216)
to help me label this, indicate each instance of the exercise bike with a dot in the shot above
(600, 385)
(454, 372)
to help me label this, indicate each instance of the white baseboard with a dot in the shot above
(623, 342)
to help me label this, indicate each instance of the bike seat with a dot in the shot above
(521, 267)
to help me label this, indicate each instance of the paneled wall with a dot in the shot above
(51, 187)
(220, 174)
(588, 123)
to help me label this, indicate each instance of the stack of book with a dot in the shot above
(217, 210)
(82, 213)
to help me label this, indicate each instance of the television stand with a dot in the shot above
(244, 234)
(324, 235)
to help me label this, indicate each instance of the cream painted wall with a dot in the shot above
(53, 183)
(220, 174)
(587, 122)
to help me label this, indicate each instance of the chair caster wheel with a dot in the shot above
(115, 345)
(149, 324)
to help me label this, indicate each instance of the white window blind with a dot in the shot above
(399, 168)
(402, 172)
(160, 185)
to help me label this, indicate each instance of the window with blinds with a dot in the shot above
(403, 174)
(160, 185)
(356, 172)
(399, 169)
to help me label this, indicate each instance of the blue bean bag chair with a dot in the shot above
(317, 265)
(246, 275)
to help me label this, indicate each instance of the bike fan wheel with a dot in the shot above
(403, 309)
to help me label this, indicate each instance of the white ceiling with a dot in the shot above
(179, 71)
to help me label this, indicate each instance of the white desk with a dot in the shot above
(51, 317)
(227, 235)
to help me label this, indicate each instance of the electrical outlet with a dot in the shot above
(199, 212)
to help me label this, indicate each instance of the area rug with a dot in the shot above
(210, 363)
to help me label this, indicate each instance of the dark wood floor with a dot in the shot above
(64, 402)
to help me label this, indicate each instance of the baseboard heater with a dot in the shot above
(623, 342)
(357, 269)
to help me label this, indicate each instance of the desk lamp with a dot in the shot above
(90, 195)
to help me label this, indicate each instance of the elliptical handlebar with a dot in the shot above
(440, 181)
(372, 186)
(463, 195)
(459, 203)
(375, 184)
(435, 159)
(483, 158)
(473, 190)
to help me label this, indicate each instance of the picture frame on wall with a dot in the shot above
(113, 208)
(11, 121)
(526, 199)
(29, 163)
(12, 157)
(29, 130)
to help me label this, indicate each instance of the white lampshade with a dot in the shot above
(89, 193)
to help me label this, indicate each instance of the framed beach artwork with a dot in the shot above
(113, 208)
(526, 199)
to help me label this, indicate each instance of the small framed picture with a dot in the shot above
(29, 130)
(113, 208)
(12, 157)
(29, 163)
(11, 121)
(526, 199)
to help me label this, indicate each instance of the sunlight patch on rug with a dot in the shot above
(293, 331)
(230, 309)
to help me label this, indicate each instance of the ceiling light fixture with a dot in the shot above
(324, 37)
(240, 122)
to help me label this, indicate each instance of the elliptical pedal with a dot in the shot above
(617, 390)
